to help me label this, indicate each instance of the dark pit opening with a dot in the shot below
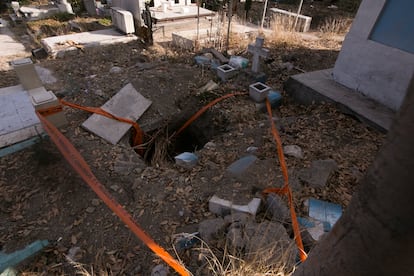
(193, 138)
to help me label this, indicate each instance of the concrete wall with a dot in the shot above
(376, 70)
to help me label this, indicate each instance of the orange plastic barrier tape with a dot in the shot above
(139, 134)
(285, 190)
(50, 110)
(204, 109)
(81, 167)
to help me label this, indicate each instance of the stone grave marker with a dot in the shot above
(257, 51)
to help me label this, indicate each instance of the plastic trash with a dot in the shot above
(202, 60)
(12, 259)
(186, 240)
(326, 212)
(275, 99)
(186, 160)
(238, 62)
(315, 228)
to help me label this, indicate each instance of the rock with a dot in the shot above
(96, 202)
(287, 65)
(238, 167)
(115, 70)
(252, 150)
(210, 145)
(209, 86)
(277, 208)
(160, 270)
(74, 253)
(186, 160)
(90, 210)
(318, 174)
(235, 239)
(293, 150)
(269, 243)
(211, 229)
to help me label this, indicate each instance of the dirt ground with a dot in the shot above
(41, 197)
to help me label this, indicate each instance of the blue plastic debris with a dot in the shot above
(326, 212)
(202, 60)
(186, 160)
(186, 240)
(12, 259)
(238, 62)
(275, 99)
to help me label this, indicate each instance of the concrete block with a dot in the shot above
(39, 53)
(258, 91)
(26, 73)
(225, 72)
(122, 20)
(42, 99)
(319, 86)
(223, 207)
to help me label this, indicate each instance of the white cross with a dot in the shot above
(258, 51)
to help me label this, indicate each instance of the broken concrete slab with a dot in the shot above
(18, 120)
(59, 44)
(223, 207)
(318, 174)
(238, 167)
(127, 103)
(319, 86)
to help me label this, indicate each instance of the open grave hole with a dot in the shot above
(164, 147)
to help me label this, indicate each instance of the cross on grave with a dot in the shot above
(258, 51)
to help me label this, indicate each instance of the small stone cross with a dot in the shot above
(258, 51)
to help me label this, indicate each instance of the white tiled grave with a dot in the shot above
(18, 120)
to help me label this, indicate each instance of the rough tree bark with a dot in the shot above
(375, 235)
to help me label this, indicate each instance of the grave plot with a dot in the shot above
(236, 159)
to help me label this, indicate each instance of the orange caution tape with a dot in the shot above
(285, 190)
(204, 109)
(138, 135)
(50, 110)
(81, 167)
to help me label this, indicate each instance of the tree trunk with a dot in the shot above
(375, 235)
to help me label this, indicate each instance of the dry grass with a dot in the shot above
(232, 264)
(336, 25)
